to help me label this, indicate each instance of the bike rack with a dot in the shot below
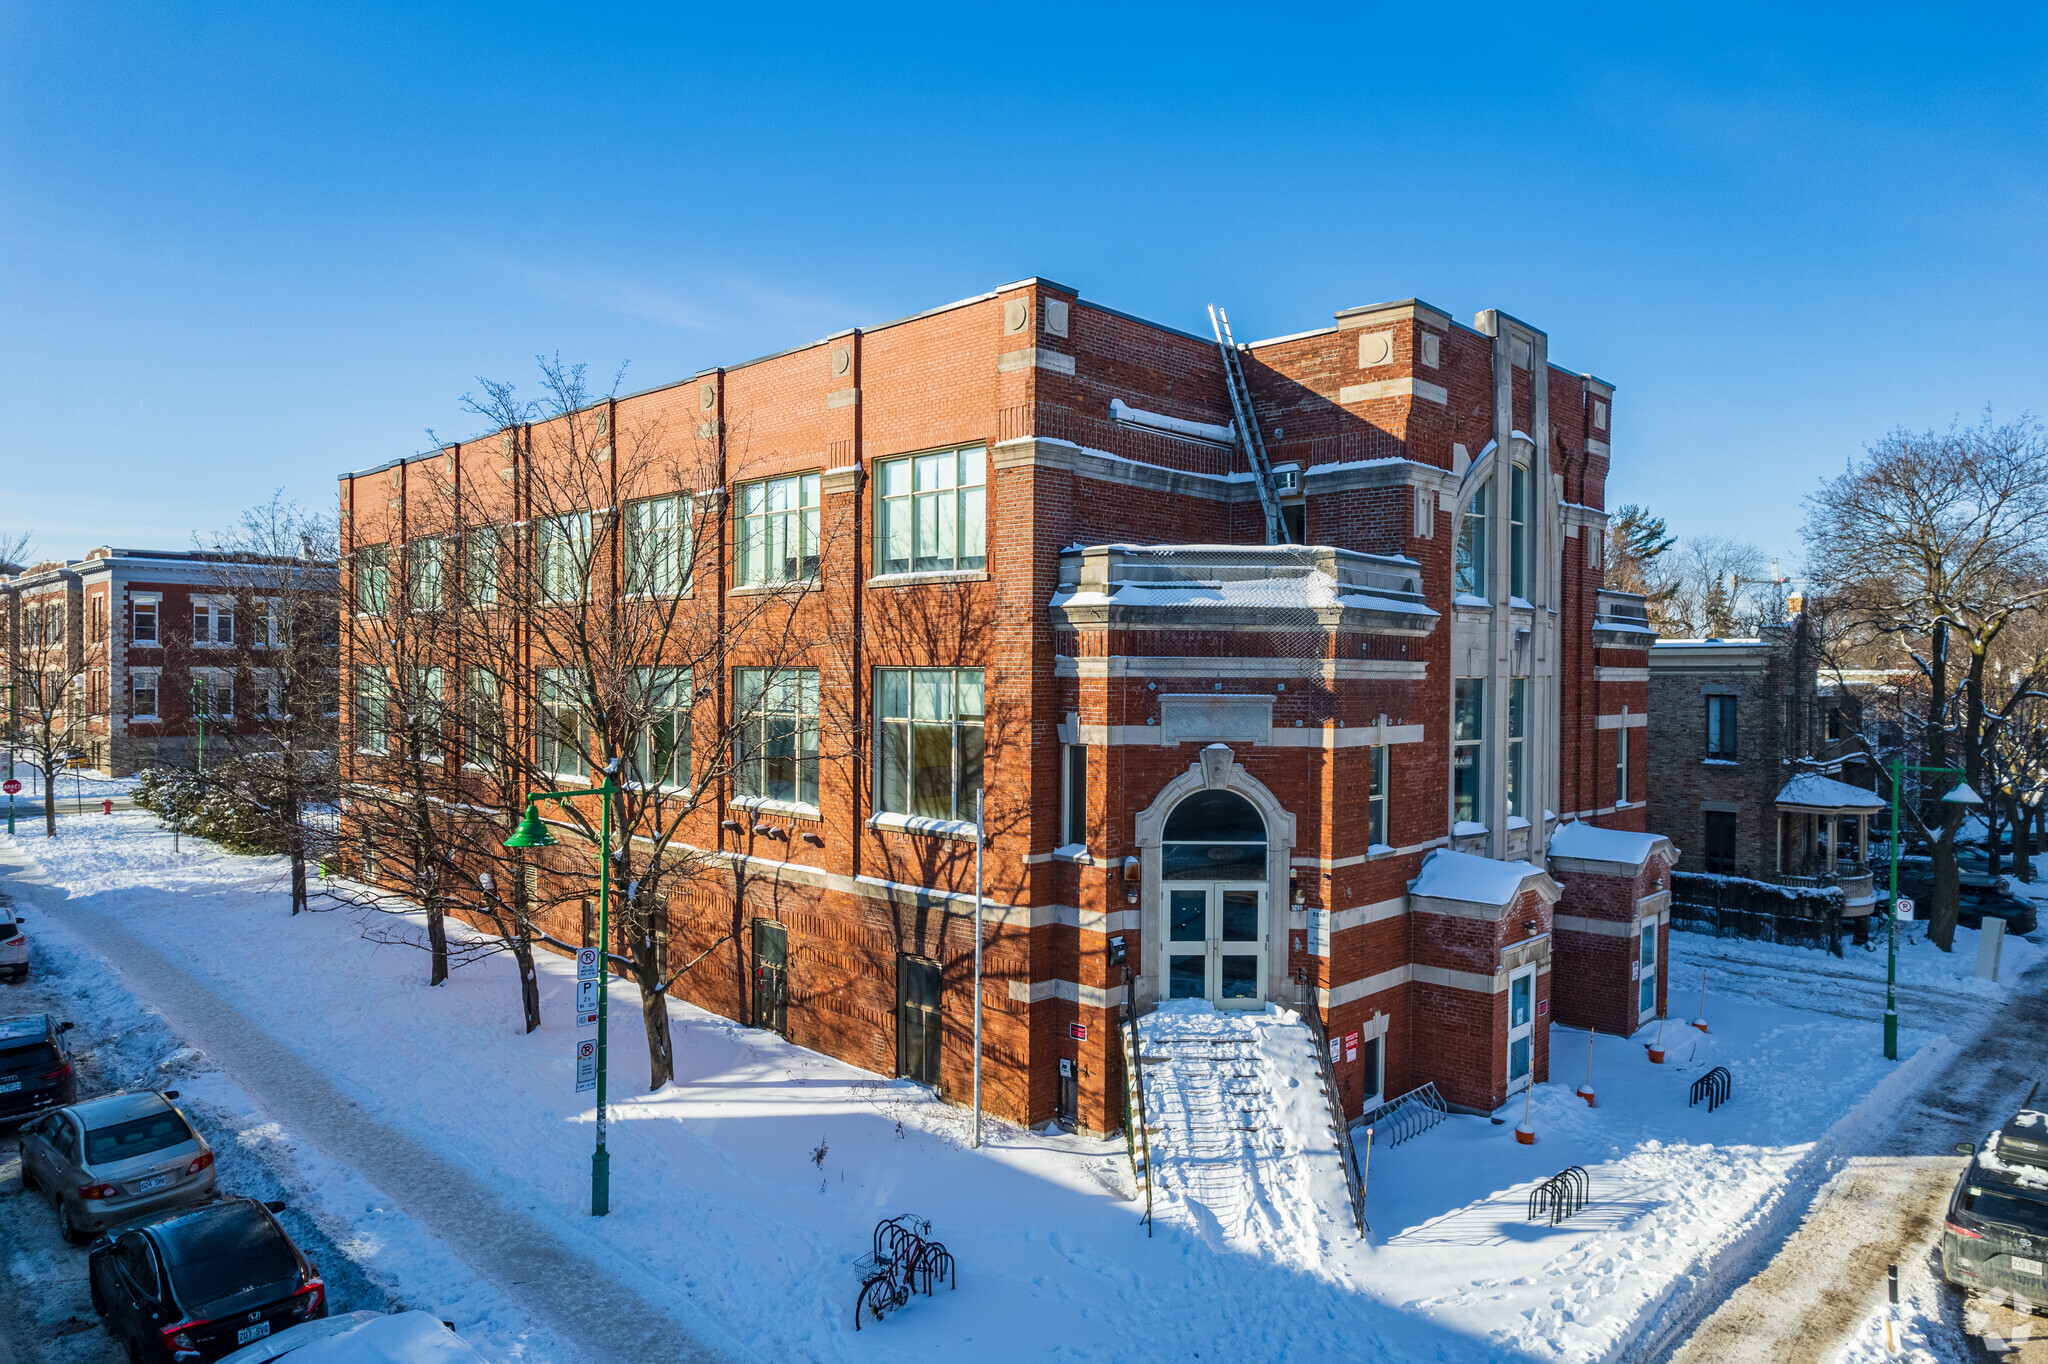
(905, 1260)
(1564, 1193)
(1715, 1087)
(1408, 1116)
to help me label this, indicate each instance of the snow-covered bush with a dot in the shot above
(190, 804)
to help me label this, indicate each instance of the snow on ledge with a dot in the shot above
(1584, 842)
(1826, 793)
(1475, 880)
(1119, 410)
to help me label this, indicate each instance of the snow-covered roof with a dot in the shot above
(1825, 793)
(1449, 875)
(1588, 843)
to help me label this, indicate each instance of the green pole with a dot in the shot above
(601, 1160)
(1891, 961)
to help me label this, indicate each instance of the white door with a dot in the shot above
(1216, 943)
(1521, 1027)
(1646, 986)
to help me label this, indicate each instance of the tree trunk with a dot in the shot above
(529, 979)
(2022, 842)
(1991, 813)
(1941, 926)
(49, 800)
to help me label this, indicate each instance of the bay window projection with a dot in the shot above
(778, 738)
(143, 616)
(564, 557)
(423, 574)
(1470, 574)
(777, 528)
(563, 742)
(662, 754)
(1468, 747)
(373, 580)
(480, 567)
(658, 546)
(931, 512)
(929, 741)
(1376, 798)
(1518, 731)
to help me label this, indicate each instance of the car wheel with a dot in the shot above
(99, 1304)
(28, 1177)
(65, 1226)
(135, 1355)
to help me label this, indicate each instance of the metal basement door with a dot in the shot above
(771, 976)
(1216, 944)
(917, 1020)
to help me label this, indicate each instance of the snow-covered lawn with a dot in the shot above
(743, 1193)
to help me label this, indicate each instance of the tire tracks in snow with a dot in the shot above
(586, 1301)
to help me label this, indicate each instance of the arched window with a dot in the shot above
(1214, 836)
(1471, 573)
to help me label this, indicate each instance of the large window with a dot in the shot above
(213, 693)
(662, 755)
(1472, 544)
(563, 741)
(484, 724)
(1721, 727)
(144, 609)
(564, 556)
(1720, 840)
(372, 717)
(373, 580)
(213, 621)
(1468, 735)
(424, 571)
(1518, 731)
(1074, 795)
(428, 706)
(1213, 836)
(658, 546)
(778, 715)
(142, 689)
(480, 567)
(1376, 798)
(1518, 533)
(778, 529)
(931, 512)
(929, 734)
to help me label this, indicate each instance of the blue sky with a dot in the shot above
(247, 247)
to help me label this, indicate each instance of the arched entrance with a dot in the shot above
(1214, 883)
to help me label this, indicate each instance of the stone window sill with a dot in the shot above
(971, 575)
(931, 828)
(771, 589)
(761, 805)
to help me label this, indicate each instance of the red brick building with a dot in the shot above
(1323, 773)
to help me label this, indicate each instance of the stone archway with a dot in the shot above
(1215, 769)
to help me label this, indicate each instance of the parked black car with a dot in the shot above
(1996, 1239)
(35, 1066)
(203, 1282)
(1978, 894)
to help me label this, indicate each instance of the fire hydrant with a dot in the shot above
(106, 807)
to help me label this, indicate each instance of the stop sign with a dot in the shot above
(10, 786)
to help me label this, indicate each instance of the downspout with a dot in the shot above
(862, 786)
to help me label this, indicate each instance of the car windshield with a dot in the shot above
(137, 1137)
(2008, 1207)
(227, 1252)
(37, 1056)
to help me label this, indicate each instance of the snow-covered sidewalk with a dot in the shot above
(743, 1193)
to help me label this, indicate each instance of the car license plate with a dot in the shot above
(249, 1333)
(9, 1086)
(2032, 1267)
(153, 1182)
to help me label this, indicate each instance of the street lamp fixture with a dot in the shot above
(532, 833)
(1962, 797)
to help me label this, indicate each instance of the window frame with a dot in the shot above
(905, 736)
(1474, 743)
(426, 574)
(371, 717)
(372, 580)
(676, 581)
(153, 603)
(155, 689)
(1518, 531)
(958, 509)
(675, 776)
(483, 718)
(755, 529)
(1621, 773)
(563, 541)
(1376, 796)
(482, 548)
(551, 736)
(1514, 768)
(1073, 793)
(1722, 730)
(1471, 556)
(757, 733)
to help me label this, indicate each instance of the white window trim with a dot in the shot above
(763, 805)
(919, 824)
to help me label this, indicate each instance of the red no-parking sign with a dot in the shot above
(10, 786)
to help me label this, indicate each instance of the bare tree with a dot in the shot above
(1717, 587)
(47, 700)
(1934, 540)
(14, 547)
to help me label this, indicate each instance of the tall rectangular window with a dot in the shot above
(1468, 734)
(142, 688)
(1518, 533)
(777, 529)
(143, 611)
(1621, 764)
(778, 716)
(1376, 799)
(424, 571)
(658, 546)
(97, 629)
(1469, 572)
(1074, 795)
(563, 746)
(1721, 727)
(662, 755)
(1720, 841)
(928, 741)
(427, 729)
(483, 729)
(373, 580)
(564, 557)
(372, 717)
(1518, 730)
(931, 512)
(480, 567)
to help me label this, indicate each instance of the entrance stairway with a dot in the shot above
(1238, 1135)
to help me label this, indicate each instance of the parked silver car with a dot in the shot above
(13, 945)
(112, 1159)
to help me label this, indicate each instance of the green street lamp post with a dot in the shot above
(1962, 796)
(531, 833)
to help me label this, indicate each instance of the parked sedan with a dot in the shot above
(35, 1066)
(200, 1284)
(13, 945)
(111, 1160)
(353, 1337)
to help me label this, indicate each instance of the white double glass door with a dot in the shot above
(1215, 935)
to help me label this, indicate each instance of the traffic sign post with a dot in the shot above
(586, 1003)
(10, 786)
(586, 1067)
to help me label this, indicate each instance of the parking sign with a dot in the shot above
(586, 1003)
(586, 1066)
(586, 964)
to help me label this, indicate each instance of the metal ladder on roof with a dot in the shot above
(1247, 425)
